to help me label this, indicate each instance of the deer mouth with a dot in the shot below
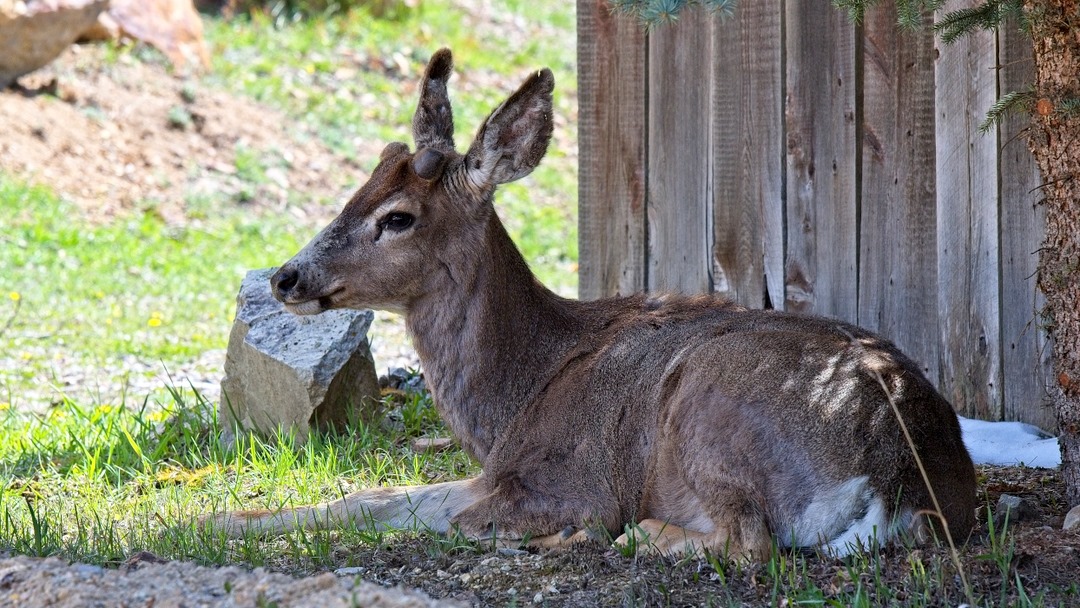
(314, 306)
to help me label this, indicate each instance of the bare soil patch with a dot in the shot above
(114, 134)
(143, 581)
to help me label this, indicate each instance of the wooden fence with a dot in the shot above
(789, 159)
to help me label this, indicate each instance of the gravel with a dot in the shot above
(146, 581)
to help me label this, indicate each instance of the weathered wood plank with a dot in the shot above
(820, 271)
(967, 226)
(1026, 355)
(937, 272)
(748, 155)
(611, 140)
(680, 56)
(897, 246)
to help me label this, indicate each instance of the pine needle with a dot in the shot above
(1016, 102)
(653, 13)
(986, 16)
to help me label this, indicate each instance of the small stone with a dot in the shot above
(1014, 508)
(465, 578)
(442, 574)
(432, 444)
(140, 559)
(1072, 519)
(398, 376)
(350, 571)
(510, 551)
(88, 570)
(172, 26)
(538, 598)
(405, 380)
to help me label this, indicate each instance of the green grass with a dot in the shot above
(134, 287)
(98, 483)
(353, 77)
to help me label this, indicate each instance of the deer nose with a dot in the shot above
(283, 281)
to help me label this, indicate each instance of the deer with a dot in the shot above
(675, 424)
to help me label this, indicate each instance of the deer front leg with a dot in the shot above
(429, 507)
(515, 514)
(569, 537)
(660, 537)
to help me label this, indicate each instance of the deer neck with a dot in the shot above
(489, 334)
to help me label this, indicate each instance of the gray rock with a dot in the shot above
(1017, 509)
(404, 380)
(34, 33)
(290, 372)
(1072, 518)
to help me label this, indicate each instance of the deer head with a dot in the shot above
(421, 218)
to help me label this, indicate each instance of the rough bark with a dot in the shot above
(1055, 142)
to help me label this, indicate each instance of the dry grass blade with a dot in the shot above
(954, 554)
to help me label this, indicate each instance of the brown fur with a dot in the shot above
(704, 423)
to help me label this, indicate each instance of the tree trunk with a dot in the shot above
(1055, 142)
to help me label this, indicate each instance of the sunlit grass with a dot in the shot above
(353, 76)
(134, 287)
(96, 483)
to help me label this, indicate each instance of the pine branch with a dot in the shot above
(663, 12)
(987, 16)
(1016, 102)
(909, 13)
(856, 9)
(723, 8)
(1069, 107)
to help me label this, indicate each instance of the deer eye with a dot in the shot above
(396, 221)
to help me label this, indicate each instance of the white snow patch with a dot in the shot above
(1009, 443)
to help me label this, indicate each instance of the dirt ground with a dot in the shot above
(110, 139)
(111, 136)
(1046, 559)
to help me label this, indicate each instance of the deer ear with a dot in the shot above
(433, 123)
(515, 136)
(393, 149)
(428, 163)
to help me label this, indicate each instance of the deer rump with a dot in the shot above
(682, 422)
